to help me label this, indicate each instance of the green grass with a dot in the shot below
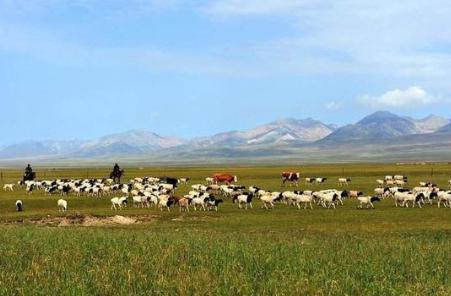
(386, 251)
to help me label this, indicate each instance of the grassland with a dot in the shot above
(387, 251)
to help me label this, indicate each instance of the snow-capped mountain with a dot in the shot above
(282, 131)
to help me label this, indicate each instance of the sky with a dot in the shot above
(79, 69)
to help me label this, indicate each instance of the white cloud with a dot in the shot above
(386, 38)
(333, 105)
(411, 97)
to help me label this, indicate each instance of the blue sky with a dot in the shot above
(85, 68)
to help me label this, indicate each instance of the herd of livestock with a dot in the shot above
(149, 192)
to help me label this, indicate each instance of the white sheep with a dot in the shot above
(9, 187)
(62, 205)
(118, 202)
(19, 205)
(367, 200)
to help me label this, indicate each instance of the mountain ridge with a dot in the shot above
(288, 134)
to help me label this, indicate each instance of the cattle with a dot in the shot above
(291, 178)
(170, 180)
(368, 201)
(224, 178)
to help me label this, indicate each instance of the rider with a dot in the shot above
(116, 168)
(28, 170)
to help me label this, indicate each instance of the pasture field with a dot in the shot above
(284, 251)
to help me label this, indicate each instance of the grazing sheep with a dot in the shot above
(243, 199)
(380, 182)
(404, 198)
(19, 205)
(210, 180)
(184, 204)
(328, 199)
(9, 187)
(184, 180)
(310, 180)
(320, 180)
(344, 181)
(400, 183)
(30, 188)
(449, 183)
(199, 201)
(444, 198)
(62, 205)
(367, 200)
(213, 203)
(303, 199)
(382, 192)
(139, 201)
(388, 178)
(118, 202)
(165, 201)
(355, 193)
(270, 199)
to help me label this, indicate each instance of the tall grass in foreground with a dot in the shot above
(208, 261)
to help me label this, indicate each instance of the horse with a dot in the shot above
(29, 176)
(116, 176)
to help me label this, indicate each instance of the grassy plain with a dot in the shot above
(386, 251)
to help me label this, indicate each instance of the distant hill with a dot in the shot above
(131, 142)
(429, 124)
(380, 136)
(282, 131)
(445, 129)
(385, 125)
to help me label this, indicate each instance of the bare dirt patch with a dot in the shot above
(86, 221)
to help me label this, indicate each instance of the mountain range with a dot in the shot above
(381, 134)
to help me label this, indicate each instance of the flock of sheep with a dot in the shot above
(160, 193)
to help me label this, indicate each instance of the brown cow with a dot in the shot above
(291, 177)
(224, 178)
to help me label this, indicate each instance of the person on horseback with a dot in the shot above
(117, 173)
(116, 169)
(28, 169)
(29, 174)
